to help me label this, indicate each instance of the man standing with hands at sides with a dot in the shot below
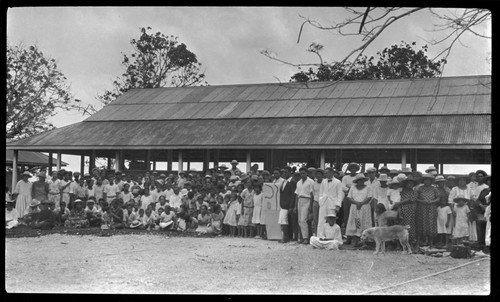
(330, 196)
(287, 202)
(303, 199)
(315, 207)
(65, 188)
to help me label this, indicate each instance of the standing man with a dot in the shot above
(72, 188)
(65, 189)
(373, 183)
(331, 195)
(303, 200)
(40, 188)
(234, 169)
(287, 200)
(315, 207)
(55, 190)
(347, 183)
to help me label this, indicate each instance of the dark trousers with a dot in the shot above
(293, 225)
(346, 206)
(285, 232)
(481, 231)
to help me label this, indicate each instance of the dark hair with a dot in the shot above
(257, 185)
(288, 168)
(303, 169)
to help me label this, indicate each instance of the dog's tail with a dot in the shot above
(406, 226)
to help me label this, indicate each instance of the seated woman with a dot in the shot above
(77, 217)
(185, 221)
(329, 235)
(167, 219)
(10, 215)
(33, 213)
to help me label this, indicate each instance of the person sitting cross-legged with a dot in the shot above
(329, 235)
(46, 219)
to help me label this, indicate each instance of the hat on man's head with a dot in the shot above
(255, 166)
(440, 178)
(401, 177)
(233, 177)
(163, 176)
(46, 201)
(244, 177)
(450, 177)
(79, 200)
(223, 167)
(254, 177)
(353, 165)
(41, 174)
(34, 203)
(481, 172)
(371, 170)
(393, 171)
(26, 173)
(384, 169)
(383, 177)
(410, 178)
(311, 169)
(431, 168)
(320, 171)
(182, 173)
(76, 173)
(87, 175)
(234, 161)
(359, 176)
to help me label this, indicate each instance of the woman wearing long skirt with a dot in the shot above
(22, 193)
(360, 215)
(428, 198)
(407, 207)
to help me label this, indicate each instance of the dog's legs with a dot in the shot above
(377, 246)
(383, 247)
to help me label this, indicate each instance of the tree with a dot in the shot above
(158, 61)
(371, 22)
(35, 89)
(395, 62)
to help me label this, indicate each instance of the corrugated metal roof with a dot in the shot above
(29, 158)
(455, 95)
(318, 131)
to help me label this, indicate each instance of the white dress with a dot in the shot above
(12, 216)
(461, 228)
(441, 220)
(330, 232)
(257, 209)
(23, 199)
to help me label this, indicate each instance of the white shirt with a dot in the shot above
(331, 193)
(175, 201)
(54, 186)
(347, 182)
(111, 190)
(145, 201)
(304, 188)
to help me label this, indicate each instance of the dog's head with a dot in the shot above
(367, 234)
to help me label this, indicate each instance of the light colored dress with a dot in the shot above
(246, 218)
(23, 199)
(461, 228)
(441, 220)
(487, 215)
(381, 195)
(203, 222)
(54, 192)
(232, 211)
(327, 231)
(359, 220)
(257, 209)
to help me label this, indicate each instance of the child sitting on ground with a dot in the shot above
(148, 221)
(167, 219)
(162, 202)
(215, 225)
(203, 220)
(92, 213)
(11, 220)
(329, 235)
(77, 217)
(129, 215)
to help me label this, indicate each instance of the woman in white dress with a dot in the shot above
(360, 215)
(329, 234)
(22, 194)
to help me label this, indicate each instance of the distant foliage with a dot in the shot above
(35, 89)
(396, 62)
(157, 61)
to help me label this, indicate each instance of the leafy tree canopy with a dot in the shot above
(396, 62)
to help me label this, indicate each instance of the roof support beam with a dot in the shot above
(322, 159)
(249, 160)
(82, 165)
(403, 159)
(50, 164)
(92, 161)
(180, 169)
(170, 156)
(59, 159)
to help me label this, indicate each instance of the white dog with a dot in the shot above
(383, 234)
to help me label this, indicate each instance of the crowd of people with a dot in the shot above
(321, 207)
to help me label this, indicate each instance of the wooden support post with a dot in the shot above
(92, 161)
(14, 170)
(322, 159)
(216, 157)
(249, 160)
(51, 159)
(58, 162)
(376, 164)
(170, 156)
(189, 165)
(109, 163)
(441, 169)
(117, 161)
(147, 161)
(180, 162)
(437, 160)
(82, 165)
(271, 160)
(206, 160)
(403, 159)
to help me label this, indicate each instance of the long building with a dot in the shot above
(437, 121)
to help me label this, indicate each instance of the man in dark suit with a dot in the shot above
(287, 203)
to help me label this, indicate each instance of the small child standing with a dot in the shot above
(443, 221)
(245, 220)
(460, 212)
(232, 214)
(394, 193)
(257, 218)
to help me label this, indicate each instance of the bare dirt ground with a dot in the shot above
(170, 263)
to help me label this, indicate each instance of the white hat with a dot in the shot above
(234, 161)
(384, 177)
(439, 178)
(358, 177)
(394, 181)
(431, 168)
(371, 169)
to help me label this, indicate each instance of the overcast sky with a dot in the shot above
(87, 42)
